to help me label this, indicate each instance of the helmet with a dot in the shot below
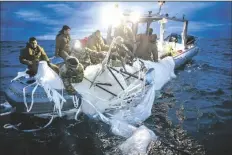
(71, 62)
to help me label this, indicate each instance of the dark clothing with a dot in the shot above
(96, 44)
(95, 57)
(71, 75)
(96, 48)
(31, 57)
(62, 46)
(83, 56)
(147, 48)
(126, 33)
(27, 55)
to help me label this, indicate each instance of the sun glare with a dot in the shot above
(111, 15)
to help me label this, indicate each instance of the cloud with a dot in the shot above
(35, 16)
(46, 37)
(61, 9)
(193, 27)
(200, 26)
(84, 17)
(85, 30)
(187, 8)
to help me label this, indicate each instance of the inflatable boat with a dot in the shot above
(15, 97)
(121, 97)
(180, 48)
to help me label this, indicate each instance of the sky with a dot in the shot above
(43, 20)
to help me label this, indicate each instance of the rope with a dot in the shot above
(21, 74)
(8, 112)
(15, 127)
(32, 98)
(75, 101)
(24, 97)
(78, 112)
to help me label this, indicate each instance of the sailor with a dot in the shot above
(62, 42)
(125, 32)
(96, 47)
(71, 72)
(83, 55)
(32, 54)
(147, 48)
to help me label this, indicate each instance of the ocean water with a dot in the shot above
(194, 115)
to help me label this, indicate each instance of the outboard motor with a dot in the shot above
(190, 40)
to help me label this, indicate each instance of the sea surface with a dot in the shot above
(194, 115)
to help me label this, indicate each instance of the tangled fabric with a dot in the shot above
(125, 112)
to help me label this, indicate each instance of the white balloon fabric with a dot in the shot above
(122, 128)
(163, 71)
(139, 113)
(129, 108)
(141, 98)
(139, 142)
(47, 76)
(51, 82)
(21, 74)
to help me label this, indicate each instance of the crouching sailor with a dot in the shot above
(71, 72)
(96, 47)
(32, 54)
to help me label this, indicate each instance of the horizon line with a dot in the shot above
(78, 39)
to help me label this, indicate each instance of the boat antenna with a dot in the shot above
(161, 3)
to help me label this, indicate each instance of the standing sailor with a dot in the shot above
(126, 33)
(147, 48)
(96, 47)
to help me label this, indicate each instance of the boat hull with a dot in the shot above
(14, 96)
(42, 105)
(186, 56)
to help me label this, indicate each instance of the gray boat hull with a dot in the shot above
(185, 57)
(14, 96)
(14, 93)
